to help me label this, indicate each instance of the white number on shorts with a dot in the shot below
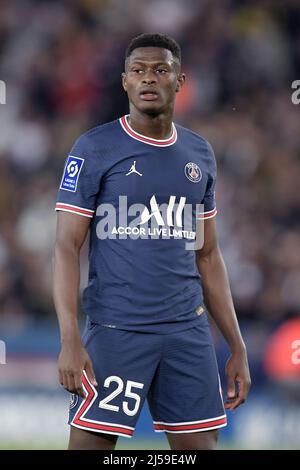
(135, 396)
(104, 403)
(128, 393)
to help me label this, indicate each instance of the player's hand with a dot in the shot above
(238, 380)
(73, 359)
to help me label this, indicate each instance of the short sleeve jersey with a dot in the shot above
(145, 198)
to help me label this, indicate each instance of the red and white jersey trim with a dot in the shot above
(80, 421)
(191, 426)
(61, 206)
(148, 140)
(206, 215)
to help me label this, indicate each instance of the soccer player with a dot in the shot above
(141, 185)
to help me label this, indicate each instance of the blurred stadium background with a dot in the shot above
(61, 62)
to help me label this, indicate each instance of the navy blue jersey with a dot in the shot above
(144, 197)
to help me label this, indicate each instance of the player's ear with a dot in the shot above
(180, 81)
(124, 81)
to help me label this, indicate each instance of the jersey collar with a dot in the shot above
(147, 140)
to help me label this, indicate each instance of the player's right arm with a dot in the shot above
(71, 232)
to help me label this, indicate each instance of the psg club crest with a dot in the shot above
(193, 172)
(73, 401)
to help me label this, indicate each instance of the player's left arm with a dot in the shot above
(218, 300)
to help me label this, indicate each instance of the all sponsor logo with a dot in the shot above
(167, 220)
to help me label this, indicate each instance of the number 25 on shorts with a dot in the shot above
(130, 384)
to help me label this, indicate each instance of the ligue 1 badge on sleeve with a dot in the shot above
(193, 172)
(71, 173)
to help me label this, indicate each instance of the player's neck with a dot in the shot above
(157, 127)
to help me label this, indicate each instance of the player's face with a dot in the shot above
(152, 78)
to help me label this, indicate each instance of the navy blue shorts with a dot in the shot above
(177, 373)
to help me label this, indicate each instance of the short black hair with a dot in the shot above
(154, 40)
